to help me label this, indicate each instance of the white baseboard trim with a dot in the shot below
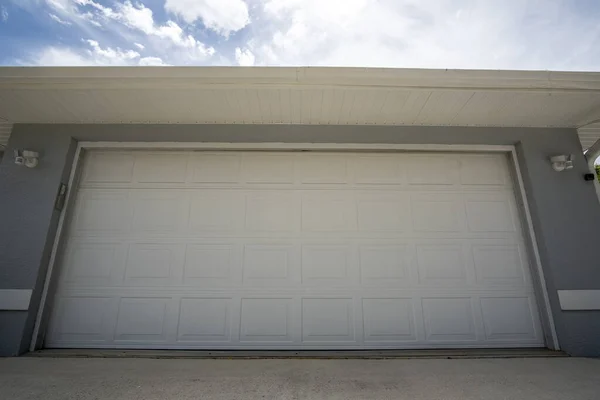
(579, 299)
(15, 299)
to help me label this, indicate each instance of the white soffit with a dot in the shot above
(5, 129)
(274, 95)
(589, 135)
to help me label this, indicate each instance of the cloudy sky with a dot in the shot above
(487, 34)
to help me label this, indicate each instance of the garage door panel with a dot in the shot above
(442, 264)
(251, 250)
(271, 211)
(108, 167)
(94, 263)
(321, 169)
(205, 319)
(328, 265)
(494, 212)
(437, 212)
(215, 210)
(168, 168)
(101, 212)
(142, 319)
(151, 264)
(270, 265)
(389, 320)
(328, 320)
(325, 211)
(266, 320)
(484, 170)
(82, 320)
(219, 168)
(378, 170)
(268, 168)
(509, 318)
(383, 212)
(432, 169)
(210, 264)
(499, 264)
(449, 319)
(159, 212)
(386, 265)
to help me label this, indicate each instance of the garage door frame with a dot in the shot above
(541, 291)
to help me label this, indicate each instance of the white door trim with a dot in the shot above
(36, 343)
(539, 271)
(35, 340)
(293, 146)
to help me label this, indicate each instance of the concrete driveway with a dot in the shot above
(147, 379)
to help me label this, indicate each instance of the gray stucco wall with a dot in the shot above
(564, 208)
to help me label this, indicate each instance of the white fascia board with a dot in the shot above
(414, 79)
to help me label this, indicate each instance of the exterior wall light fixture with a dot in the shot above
(27, 158)
(562, 162)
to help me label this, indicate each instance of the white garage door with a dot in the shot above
(294, 250)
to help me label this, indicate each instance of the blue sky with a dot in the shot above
(508, 34)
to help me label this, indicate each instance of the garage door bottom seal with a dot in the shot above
(307, 354)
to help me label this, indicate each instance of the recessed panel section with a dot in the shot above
(271, 211)
(383, 213)
(325, 212)
(161, 168)
(388, 320)
(432, 170)
(378, 170)
(159, 211)
(325, 263)
(441, 264)
(268, 168)
(151, 264)
(489, 214)
(266, 320)
(112, 167)
(103, 211)
(437, 213)
(204, 320)
(267, 264)
(382, 264)
(448, 319)
(508, 318)
(215, 168)
(80, 319)
(498, 264)
(216, 211)
(483, 170)
(327, 320)
(207, 263)
(321, 169)
(92, 262)
(141, 319)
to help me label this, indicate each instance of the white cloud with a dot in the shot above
(128, 22)
(58, 57)
(141, 18)
(3, 14)
(152, 61)
(222, 16)
(511, 34)
(110, 56)
(534, 34)
(56, 18)
(244, 57)
(94, 55)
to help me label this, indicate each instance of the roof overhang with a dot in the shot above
(306, 95)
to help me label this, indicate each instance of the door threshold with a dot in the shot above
(301, 354)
